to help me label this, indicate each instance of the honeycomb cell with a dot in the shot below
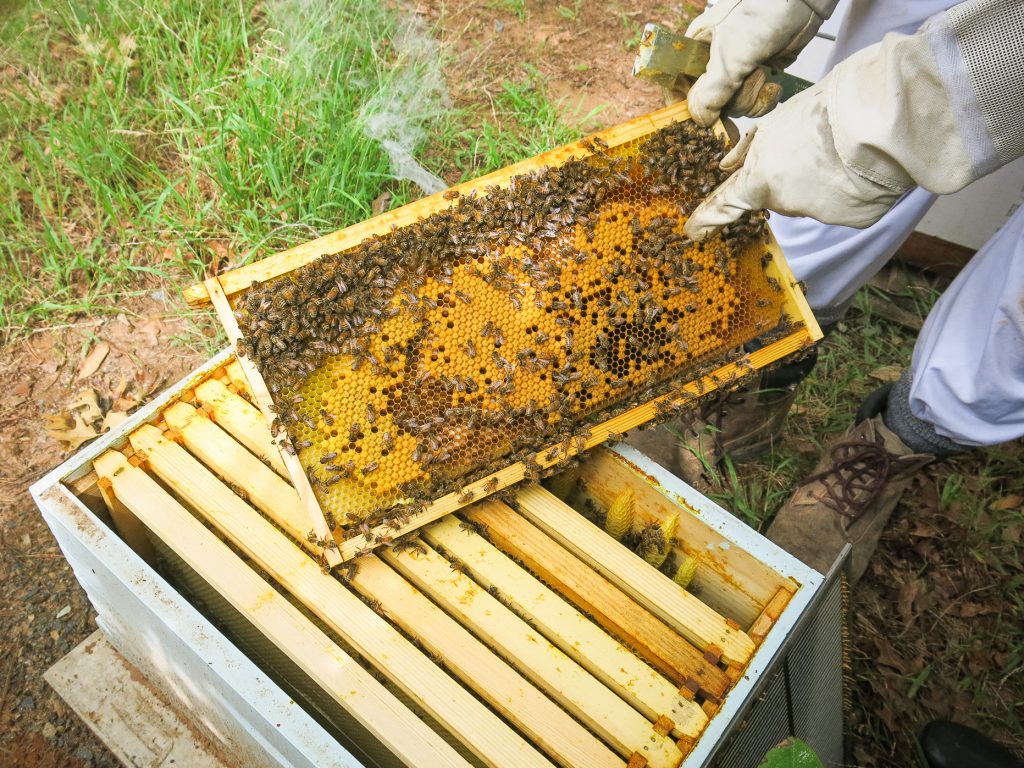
(509, 321)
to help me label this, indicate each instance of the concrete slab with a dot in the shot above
(127, 714)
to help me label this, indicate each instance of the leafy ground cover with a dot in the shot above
(937, 623)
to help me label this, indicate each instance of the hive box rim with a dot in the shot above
(133, 570)
(226, 662)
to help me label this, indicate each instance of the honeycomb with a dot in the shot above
(441, 351)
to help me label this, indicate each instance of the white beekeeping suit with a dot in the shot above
(923, 97)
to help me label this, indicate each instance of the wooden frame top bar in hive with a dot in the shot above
(442, 351)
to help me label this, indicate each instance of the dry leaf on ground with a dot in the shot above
(148, 380)
(87, 405)
(381, 203)
(112, 420)
(887, 373)
(151, 329)
(93, 361)
(70, 431)
(971, 608)
(1013, 501)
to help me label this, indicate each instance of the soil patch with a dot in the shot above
(46, 612)
(583, 52)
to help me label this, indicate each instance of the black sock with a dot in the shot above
(917, 434)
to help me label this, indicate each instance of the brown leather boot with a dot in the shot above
(848, 498)
(741, 424)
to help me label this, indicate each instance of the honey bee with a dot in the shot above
(491, 485)
(371, 467)
(347, 570)
(408, 543)
(500, 361)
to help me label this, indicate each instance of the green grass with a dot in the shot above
(515, 7)
(140, 141)
(524, 123)
(571, 12)
(141, 144)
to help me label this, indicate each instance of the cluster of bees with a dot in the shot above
(508, 322)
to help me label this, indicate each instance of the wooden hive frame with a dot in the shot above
(547, 640)
(222, 290)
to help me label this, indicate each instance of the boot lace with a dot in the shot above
(858, 473)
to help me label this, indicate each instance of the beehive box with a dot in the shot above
(498, 636)
(437, 353)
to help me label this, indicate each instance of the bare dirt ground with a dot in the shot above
(46, 613)
(923, 620)
(584, 60)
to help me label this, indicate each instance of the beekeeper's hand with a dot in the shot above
(788, 163)
(744, 34)
(894, 115)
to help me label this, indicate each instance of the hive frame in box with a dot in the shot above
(219, 291)
(251, 717)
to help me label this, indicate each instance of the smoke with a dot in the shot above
(413, 96)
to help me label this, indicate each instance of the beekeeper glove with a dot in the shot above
(743, 35)
(938, 109)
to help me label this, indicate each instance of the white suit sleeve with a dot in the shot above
(940, 108)
(937, 109)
